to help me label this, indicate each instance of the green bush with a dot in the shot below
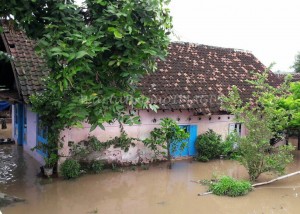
(70, 169)
(230, 187)
(97, 166)
(209, 146)
(229, 146)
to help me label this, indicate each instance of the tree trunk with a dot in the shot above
(276, 179)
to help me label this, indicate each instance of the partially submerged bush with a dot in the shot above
(70, 169)
(230, 187)
(97, 166)
(230, 146)
(209, 146)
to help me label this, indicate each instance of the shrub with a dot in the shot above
(230, 187)
(97, 166)
(209, 146)
(70, 169)
(229, 146)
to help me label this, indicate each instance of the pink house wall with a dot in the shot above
(218, 123)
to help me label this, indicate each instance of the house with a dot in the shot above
(20, 78)
(186, 87)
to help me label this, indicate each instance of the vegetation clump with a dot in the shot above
(97, 166)
(209, 146)
(70, 169)
(230, 187)
(230, 146)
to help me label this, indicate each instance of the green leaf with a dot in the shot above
(118, 35)
(81, 54)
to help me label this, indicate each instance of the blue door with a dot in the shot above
(24, 125)
(41, 136)
(190, 149)
(19, 123)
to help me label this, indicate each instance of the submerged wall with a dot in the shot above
(149, 120)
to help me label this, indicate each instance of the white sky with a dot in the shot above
(269, 29)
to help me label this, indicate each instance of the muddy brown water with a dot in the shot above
(157, 190)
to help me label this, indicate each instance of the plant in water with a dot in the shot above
(209, 146)
(70, 169)
(97, 166)
(230, 146)
(230, 187)
(145, 167)
(51, 160)
(169, 137)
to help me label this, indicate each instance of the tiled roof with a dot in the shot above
(194, 76)
(29, 69)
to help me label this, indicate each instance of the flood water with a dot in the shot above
(157, 190)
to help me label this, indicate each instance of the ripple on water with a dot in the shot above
(8, 164)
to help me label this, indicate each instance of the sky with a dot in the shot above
(268, 29)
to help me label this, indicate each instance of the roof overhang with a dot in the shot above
(10, 96)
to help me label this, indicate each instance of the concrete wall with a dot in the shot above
(149, 120)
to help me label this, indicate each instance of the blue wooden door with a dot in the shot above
(24, 125)
(192, 140)
(190, 149)
(19, 123)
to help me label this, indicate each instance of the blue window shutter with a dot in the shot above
(192, 141)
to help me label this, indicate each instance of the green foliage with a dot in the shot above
(145, 167)
(260, 157)
(124, 142)
(209, 146)
(51, 160)
(296, 65)
(230, 146)
(169, 137)
(292, 103)
(263, 118)
(92, 144)
(96, 54)
(230, 187)
(70, 169)
(97, 166)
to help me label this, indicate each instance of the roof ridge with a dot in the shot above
(212, 47)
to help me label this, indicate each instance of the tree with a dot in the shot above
(292, 103)
(296, 65)
(169, 137)
(96, 55)
(263, 118)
